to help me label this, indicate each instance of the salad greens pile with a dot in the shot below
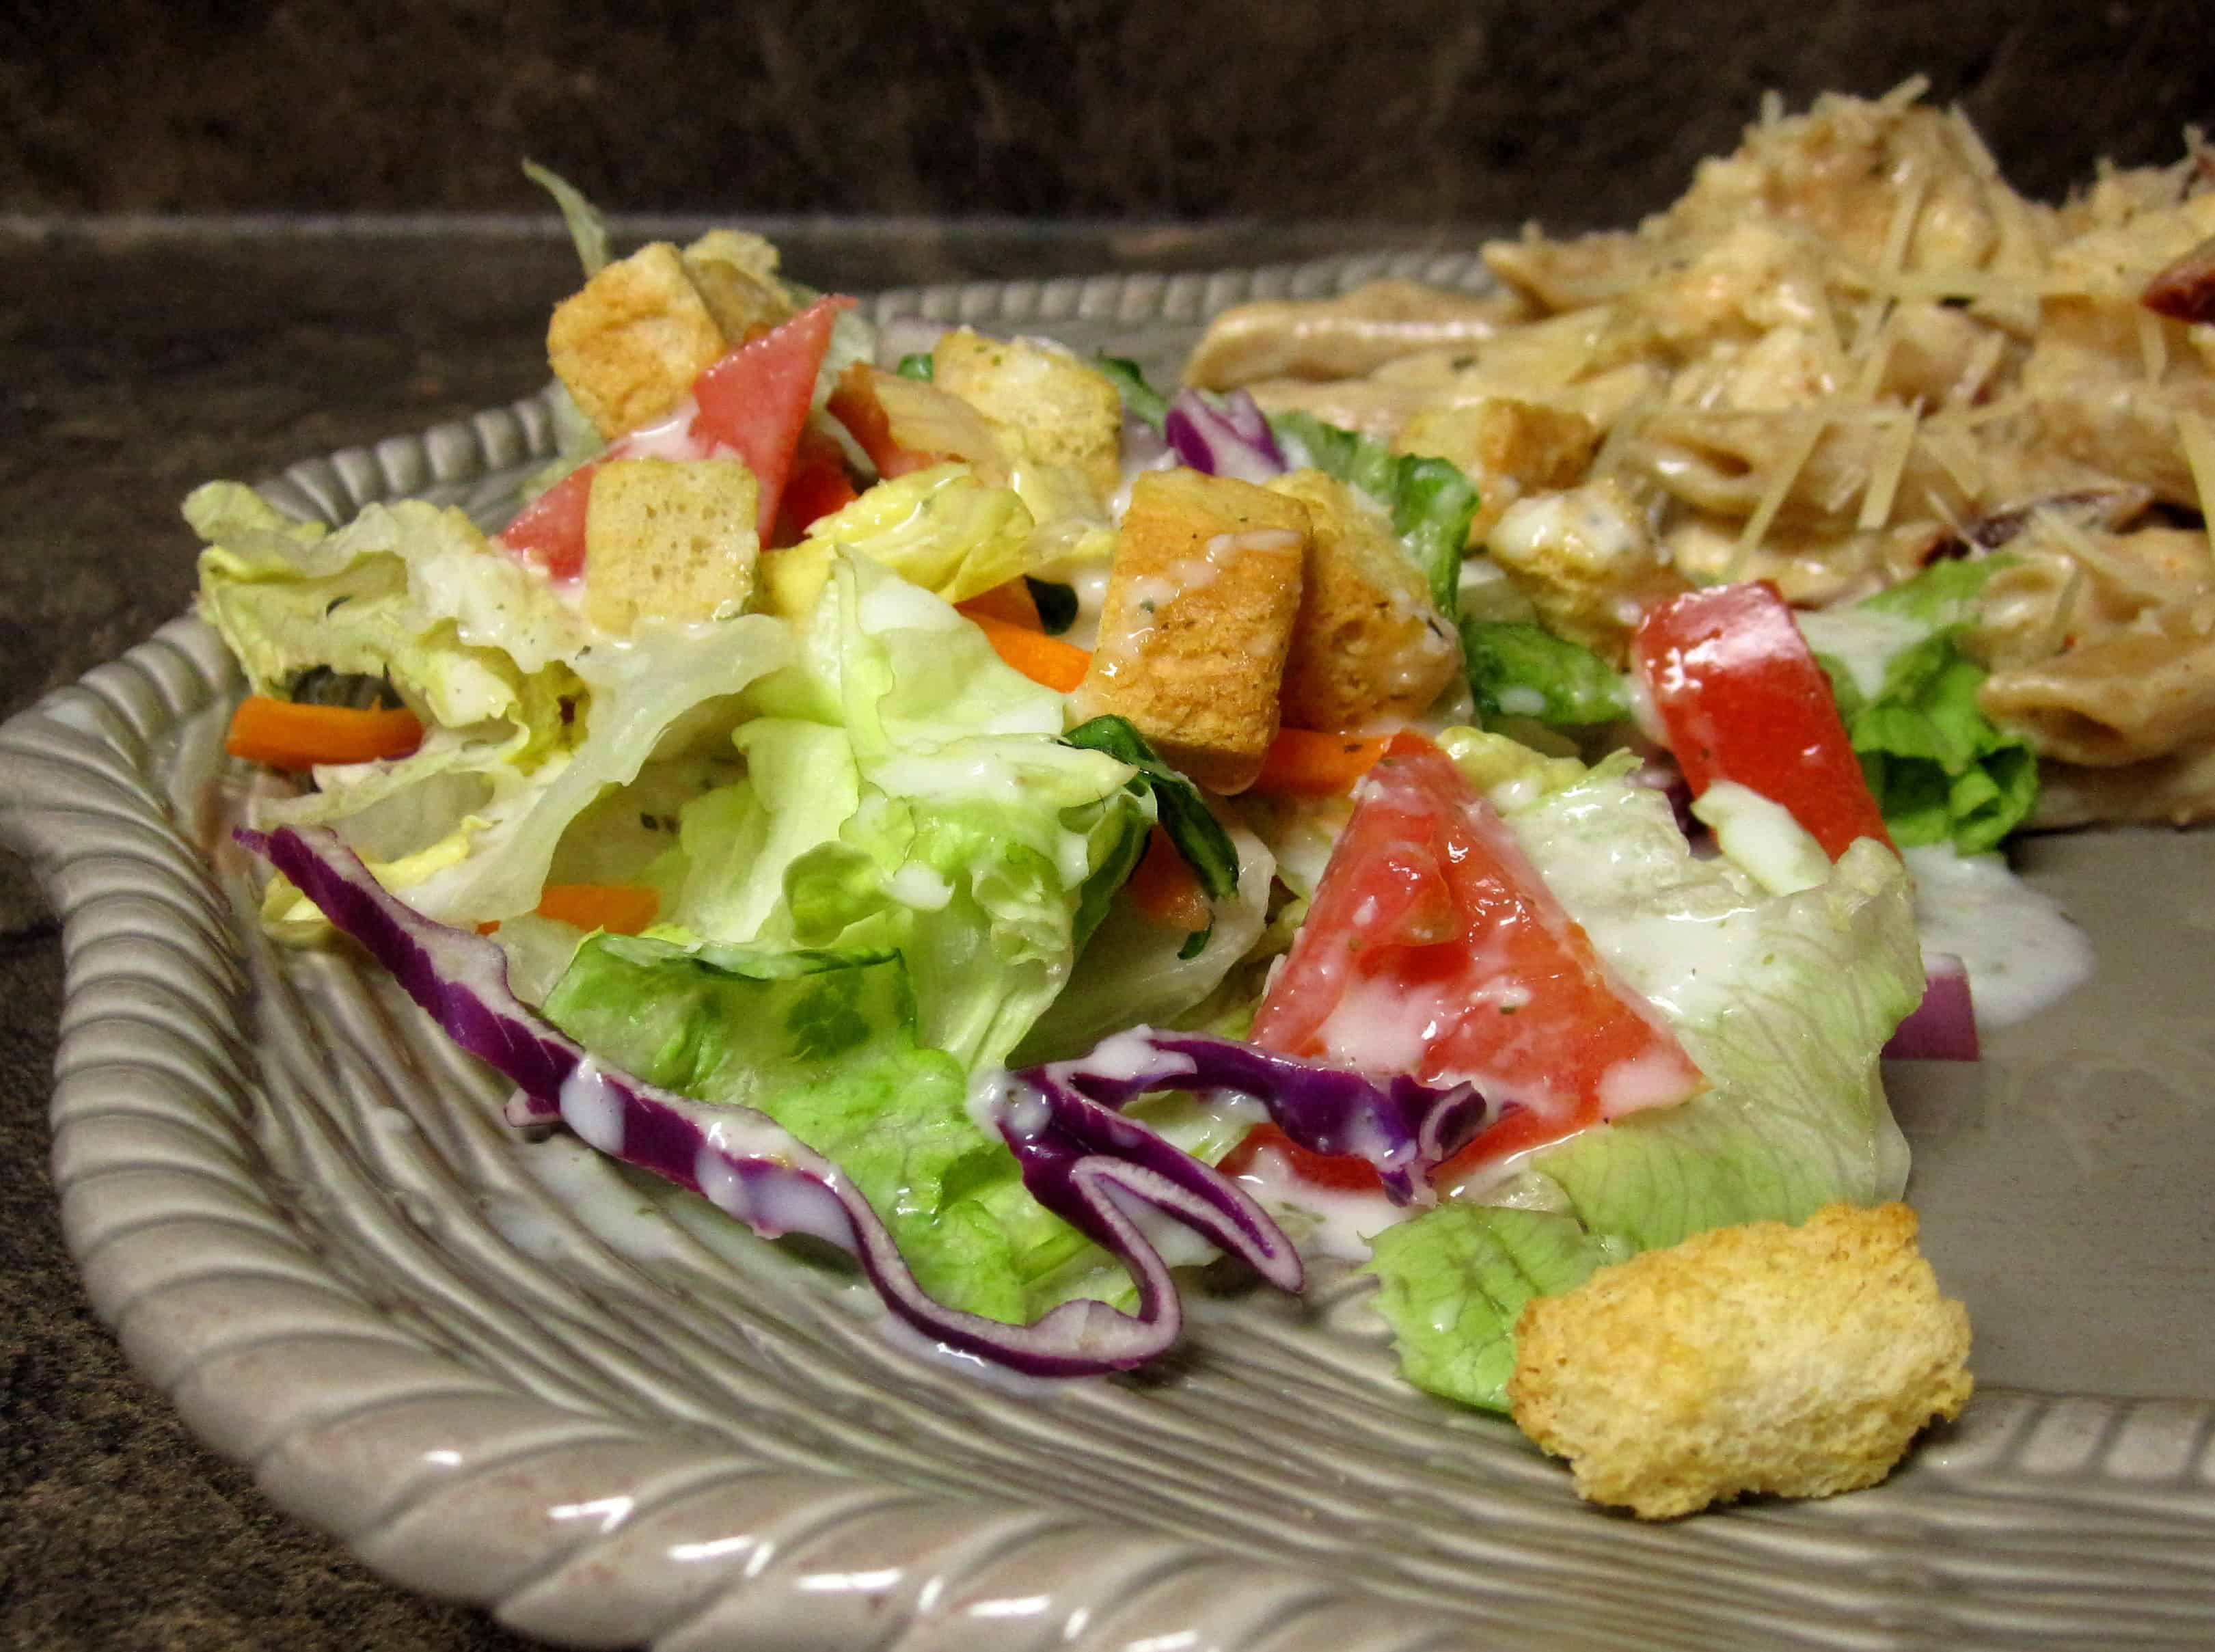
(885, 865)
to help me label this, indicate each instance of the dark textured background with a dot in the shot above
(137, 358)
(1424, 110)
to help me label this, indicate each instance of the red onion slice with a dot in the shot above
(1944, 1026)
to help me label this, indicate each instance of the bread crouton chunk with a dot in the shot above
(1042, 400)
(1509, 449)
(1366, 642)
(1197, 622)
(735, 275)
(668, 539)
(1798, 1361)
(628, 344)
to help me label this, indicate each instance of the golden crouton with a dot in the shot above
(1041, 401)
(669, 539)
(1508, 447)
(1588, 562)
(1366, 640)
(736, 275)
(630, 343)
(1197, 621)
(1797, 1361)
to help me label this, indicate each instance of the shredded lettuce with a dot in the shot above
(1452, 1283)
(1140, 400)
(827, 1044)
(530, 716)
(588, 229)
(940, 528)
(906, 791)
(1519, 670)
(1198, 836)
(1940, 770)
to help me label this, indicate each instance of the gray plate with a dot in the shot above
(295, 1204)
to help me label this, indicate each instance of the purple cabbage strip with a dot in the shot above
(1401, 1126)
(1944, 1026)
(1075, 1152)
(1228, 437)
(751, 1167)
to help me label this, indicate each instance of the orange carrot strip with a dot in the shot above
(1165, 889)
(289, 736)
(1045, 660)
(1009, 602)
(1303, 763)
(618, 908)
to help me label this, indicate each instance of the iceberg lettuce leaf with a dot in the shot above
(907, 791)
(826, 1043)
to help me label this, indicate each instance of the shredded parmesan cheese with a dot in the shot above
(2199, 441)
(1890, 464)
(1780, 485)
(1971, 142)
(1622, 433)
(1978, 372)
(2153, 345)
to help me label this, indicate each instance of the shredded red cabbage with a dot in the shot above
(1080, 1158)
(1225, 436)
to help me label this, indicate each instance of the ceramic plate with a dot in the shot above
(506, 1374)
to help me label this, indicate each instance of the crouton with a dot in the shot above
(1797, 1361)
(1041, 401)
(735, 275)
(630, 343)
(668, 539)
(1366, 641)
(1588, 562)
(1197, 621)
(1508, 448)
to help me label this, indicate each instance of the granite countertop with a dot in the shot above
(141, 357)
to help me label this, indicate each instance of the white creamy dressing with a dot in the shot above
(2021, 951)
(1865, 642)
(591, 1107)
(1320, 1221)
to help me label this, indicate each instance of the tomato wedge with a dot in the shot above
(550, 529)
(819, 485)
(754, 400)
(1434, 948)
(1742, 699)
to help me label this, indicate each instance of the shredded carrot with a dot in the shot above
(1166, 893)
(286, 735)
(1303, 763)
(1045, 660)
(618, 908)
(1010, 603)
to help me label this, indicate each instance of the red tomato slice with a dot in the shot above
(550, 529)
(1434, 948)
(754, 400)
(1742, 699)
(1342, 1172)
(819, 485)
